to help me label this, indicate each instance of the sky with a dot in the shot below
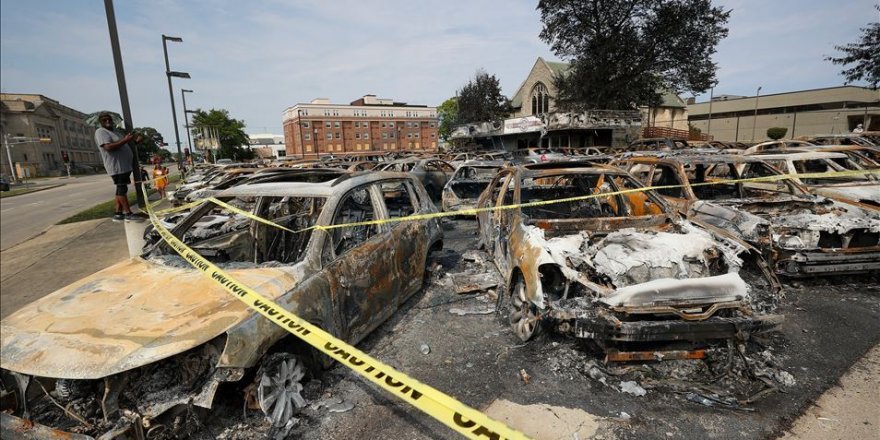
(256, 58)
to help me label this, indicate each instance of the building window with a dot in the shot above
(384, 135)
(383, 124)
(431, 125)
(307, 136)
(336, 124)
(329, 135)
(305, 124)
(540, 99)
(282, 153)
(391, 135)
(391, 124)
(366, 135)
(357, 135)
(338, 135)
(357, 124)
(433, 135)
(327, 124)
(416, 135)
(409, 135)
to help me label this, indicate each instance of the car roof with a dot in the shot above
(311, 189)
(692, 156)
(801, 155)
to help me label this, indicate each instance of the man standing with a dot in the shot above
(117, 157)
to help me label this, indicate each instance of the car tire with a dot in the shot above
(522, 315)
(280, 386)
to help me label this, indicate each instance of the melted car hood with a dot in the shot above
(125, 316)
(857, 192)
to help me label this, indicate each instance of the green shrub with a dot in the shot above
(776, 133)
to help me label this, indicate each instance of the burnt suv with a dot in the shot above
(589, 255)
(140, 345)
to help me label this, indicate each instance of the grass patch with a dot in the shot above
(107, 209)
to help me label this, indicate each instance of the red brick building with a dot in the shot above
(367, 124)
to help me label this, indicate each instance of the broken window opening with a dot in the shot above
(574, 185)
(355, 207)
(399, 201)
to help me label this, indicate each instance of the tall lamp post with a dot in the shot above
(186, 112)
(169, 73)
(123, 95)
(755, 123)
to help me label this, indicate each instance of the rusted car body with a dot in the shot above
(862, 188)
(800, 234)
(467, 183)
(433, 173)
(145, 339)
(617, 269)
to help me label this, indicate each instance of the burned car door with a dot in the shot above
(408, 258)
(665, 175)
(358, 262)
(487, 219)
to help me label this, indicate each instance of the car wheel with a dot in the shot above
(279, 392)
(523, 317)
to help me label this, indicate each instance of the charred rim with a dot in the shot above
(279, 391)
(523, 317)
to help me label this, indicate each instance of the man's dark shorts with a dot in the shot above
(121, 181)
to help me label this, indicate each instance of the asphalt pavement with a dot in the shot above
(25, 216)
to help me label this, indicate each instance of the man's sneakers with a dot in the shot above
(128, 217)
(131, 217)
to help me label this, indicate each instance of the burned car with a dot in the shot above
(862, 188)
(465, 186)
(619, 269)
(800, 234)
(135, 349)
(433, 173)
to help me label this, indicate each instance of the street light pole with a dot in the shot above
(9, 157)
(755, 123)
(168, 72)
(123, 97)
(711, 98)
(183, 93)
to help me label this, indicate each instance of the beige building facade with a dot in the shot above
(35, 116)
(833, 110)
(536, 96)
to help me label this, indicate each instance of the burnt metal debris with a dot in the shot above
(671, 287)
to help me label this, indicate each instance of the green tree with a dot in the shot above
(624, 53)
(229, 130)
(864, 55)
(776, 133)
(448, 115)
(481, 100)
(150, 145)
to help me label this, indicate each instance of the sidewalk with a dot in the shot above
(56, 258)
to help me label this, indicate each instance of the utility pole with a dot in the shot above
(755, 123)
(711, 98)
(9, 157)
(123, 97)
(183, 93)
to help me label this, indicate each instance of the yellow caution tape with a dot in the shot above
(445, 409)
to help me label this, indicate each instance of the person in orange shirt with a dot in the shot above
(160, 176)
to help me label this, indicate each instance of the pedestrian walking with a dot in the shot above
(160, 180)
(117, 156)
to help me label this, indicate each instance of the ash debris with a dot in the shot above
(732, 376)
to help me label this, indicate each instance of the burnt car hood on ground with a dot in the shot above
(125, 316)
